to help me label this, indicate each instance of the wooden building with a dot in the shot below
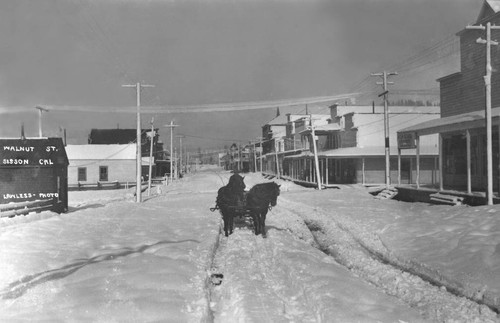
(34, 169)
(462, 126)
(351, 149)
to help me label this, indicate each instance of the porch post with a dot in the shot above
(311, 174)
(469, 173)
(363, 170)
(321, 170)
(399, 166)
(326, 175)
(418, 161)
(441, 162)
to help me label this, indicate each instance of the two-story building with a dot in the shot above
(351, 147)
(462, 126)
(282, 138)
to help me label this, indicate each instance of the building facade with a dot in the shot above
(351, 150)
(462, 127)
(94, 165)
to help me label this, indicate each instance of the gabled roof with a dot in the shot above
(100, 152)
(280, 120)
(489, 9)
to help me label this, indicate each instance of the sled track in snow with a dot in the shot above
(266, 293)
(410, 282)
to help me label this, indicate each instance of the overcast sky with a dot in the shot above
(69, 52)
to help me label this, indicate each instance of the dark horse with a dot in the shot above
(229, 198)
(259, 198)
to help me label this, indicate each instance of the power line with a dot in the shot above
(222, 107)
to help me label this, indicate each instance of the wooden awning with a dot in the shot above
(458, 122)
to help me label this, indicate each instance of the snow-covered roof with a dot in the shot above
(79, 152)
(458, 122)
(368, 109)
(323, 128)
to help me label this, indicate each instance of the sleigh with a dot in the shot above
(254, 203)
(238, 207)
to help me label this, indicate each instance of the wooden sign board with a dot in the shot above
(407, 140)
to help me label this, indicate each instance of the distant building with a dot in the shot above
(351, 147)
(103, 164)
(128, 136)
(34, 169)
(281, 136)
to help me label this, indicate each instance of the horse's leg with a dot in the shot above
(263, 222)
(225, 213)
(255, 218)
(231, 222)
(259, 222)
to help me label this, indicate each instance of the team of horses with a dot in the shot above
(232, 200)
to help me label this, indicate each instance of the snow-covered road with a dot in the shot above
(323, 260)
(283, 278)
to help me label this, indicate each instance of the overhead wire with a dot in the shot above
(433, 56)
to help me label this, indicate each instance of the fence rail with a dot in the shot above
(12, 209)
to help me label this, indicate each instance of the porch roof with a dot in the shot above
(371, 151)
(457, 122)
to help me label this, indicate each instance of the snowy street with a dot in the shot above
(329, 256)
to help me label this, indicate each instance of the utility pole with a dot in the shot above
(239, 158)
(176, 164)
(171, 126)
(40, 110)
(277, 159)
(151, 156)
(315, 149)
(487, 115)
(180, 152)
(138, 158)
(254, 158)
(384, 83)
(261, 152)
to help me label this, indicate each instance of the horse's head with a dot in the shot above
(236, 182)
(275, 193)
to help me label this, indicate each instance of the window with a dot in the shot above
(82, 174)
(103, 173)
